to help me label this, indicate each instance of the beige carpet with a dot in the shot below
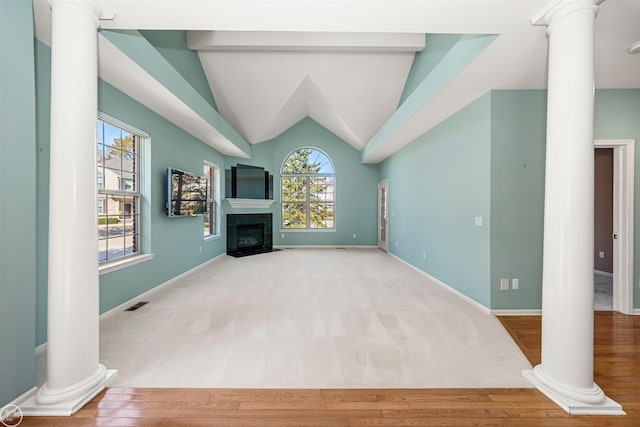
(309, 318)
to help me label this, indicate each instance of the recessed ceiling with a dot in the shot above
(265, 83)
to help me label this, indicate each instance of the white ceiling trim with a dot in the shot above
(305, 41)
(349, 16)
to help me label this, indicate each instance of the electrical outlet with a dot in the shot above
(478, 221)
(504, 284)
(424, 255)
(200, 249)
(515, 283)
(601, 254)
(354, 235)
(282, 235)
(396, 243)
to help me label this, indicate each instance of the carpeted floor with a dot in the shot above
(309, 318)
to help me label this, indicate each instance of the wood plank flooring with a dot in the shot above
(617, 371)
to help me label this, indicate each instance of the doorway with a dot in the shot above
(603, 229)
(622, 235)
(383, 217)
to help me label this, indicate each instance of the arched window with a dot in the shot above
(308, 191)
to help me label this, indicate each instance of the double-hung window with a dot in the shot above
(118, 182)
(308, 191)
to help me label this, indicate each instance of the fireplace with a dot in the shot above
(249, 234)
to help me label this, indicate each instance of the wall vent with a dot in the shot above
(137, 305)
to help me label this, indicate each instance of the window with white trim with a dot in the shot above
(212, 173)
(118, 182)
(308, 191)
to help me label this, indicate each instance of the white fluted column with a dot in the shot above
(74, 375)
(566, 371)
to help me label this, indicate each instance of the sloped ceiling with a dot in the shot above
(351, 65)
(264, 83)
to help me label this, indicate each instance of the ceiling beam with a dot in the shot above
(465, 50)
(305, 41)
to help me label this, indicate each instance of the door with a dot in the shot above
(383, 218)
(623, 235)
(603, 229)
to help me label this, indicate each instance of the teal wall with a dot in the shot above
(515, 142)
(437, 186)
(17, 200)
(356, 186)
(43, 100)
(177, 243)
(172, 45)
(518, 133)
(436, 47)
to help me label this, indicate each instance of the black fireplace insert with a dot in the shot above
(249, 234)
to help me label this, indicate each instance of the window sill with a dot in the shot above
(123, 263)
(212, 237)
(307, 230)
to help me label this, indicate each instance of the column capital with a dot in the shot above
(90, 6)
(558, 9)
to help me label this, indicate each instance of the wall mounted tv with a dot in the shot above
(186, 193)
(248, 182)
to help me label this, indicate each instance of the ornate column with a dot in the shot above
(566, 372)
(74, 375)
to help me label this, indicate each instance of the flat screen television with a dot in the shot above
(186, 193)
(249, 182)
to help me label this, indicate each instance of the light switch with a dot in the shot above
(478, 221)
(504, 284)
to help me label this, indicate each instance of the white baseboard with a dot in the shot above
(325, 247)
(518, 312)
(603, 273)
(444, 285)
(636, 311)
(24, 397)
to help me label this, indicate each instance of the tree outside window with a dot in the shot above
(308, 190)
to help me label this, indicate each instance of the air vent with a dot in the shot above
(137, 305)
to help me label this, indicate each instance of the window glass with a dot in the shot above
(308, 190)
(118, 160)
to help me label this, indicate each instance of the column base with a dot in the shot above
(32, 406)
(571, 405)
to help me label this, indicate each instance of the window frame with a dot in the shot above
(141, 139)
(307, 201)
(212, 200)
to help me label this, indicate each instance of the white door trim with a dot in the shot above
(623, 200)
(383, 243)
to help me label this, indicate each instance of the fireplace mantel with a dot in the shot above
(250, 203)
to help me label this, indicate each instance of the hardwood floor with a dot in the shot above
(617, 371)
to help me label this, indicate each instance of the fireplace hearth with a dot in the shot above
(249, 234)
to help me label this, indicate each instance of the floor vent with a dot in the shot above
(137, 305)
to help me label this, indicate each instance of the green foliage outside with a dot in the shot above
(122, 147)
(108, 220)
(305, 195)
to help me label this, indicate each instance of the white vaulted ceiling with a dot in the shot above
(264, 83)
